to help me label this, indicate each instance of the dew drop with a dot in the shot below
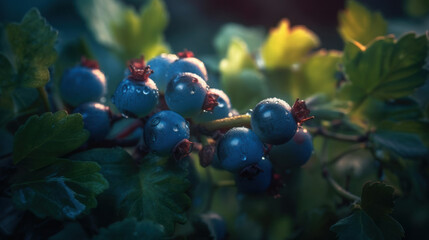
(263, 158)
(125, 88)
(146, 91)
(131, 89)
(175, 129)
(221, 105)
(192, 92)
(138, 90)
(243, 157)
(124, 115)
(155, 121)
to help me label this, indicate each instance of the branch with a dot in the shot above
(227, 123)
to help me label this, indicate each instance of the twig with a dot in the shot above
(338, 136)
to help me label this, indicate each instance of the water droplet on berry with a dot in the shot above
(153, 137)
(132, 88)
(138, 90)
(175, 129)
(276, 102)
(124, 115)
(263, 158)
(155, 121)
(192, 92)
(220, 104)
(243, 157)
(125, 88)
(146, 91)
(249, 112)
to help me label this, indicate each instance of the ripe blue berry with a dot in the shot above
(186, 63)
(136, 95)
(96, 119)
(81, 84)
(222, 110)
(273, 121)
(160, 64)
(239, 148)
(258, 183)
(187, 94)
(294, 153)
(164, 130)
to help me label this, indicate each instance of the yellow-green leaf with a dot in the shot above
(286, 46)
(360, 24)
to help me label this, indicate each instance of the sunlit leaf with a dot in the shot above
(252, 36)
(285, 46)
(62, 190)
(360, 24)
(153, 191)
(49, 135)
(32, 42)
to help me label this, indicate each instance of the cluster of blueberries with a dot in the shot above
(171, 96)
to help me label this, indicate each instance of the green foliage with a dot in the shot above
(62, 189)
(121, 28)
(154, 191)
(32, 42)
(50, 135)
(360, 24)
(406, 145)
(130, 228)
(386, 69)
(253, 37)
(286, 46)
(417, 8)
(358, 226)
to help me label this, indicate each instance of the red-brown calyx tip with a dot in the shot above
(250, 171)
(210, 102)
(275, 186)
(182, 149)
(300, 112)
(139, 74)
(206, 155)
(85, 62)
(185, 54)
(137, 62)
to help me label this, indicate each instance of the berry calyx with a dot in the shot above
(206, 155)
(251, 171)
(275, 185)
(137, 62)
(140, 74)
(210, 102)
(182, 149)
(92, 64)
(300, 112)
(185, 54)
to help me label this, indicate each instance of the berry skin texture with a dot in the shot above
(159, 65)
(259, 183)
(222, 110)
(164, 130)
(273, 121)
(239, 148)
(136, 98)
(82, 84)
(186, 94)
(294, 153)
(96, 119)
(187, 64)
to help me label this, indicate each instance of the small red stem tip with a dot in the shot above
(93, 64)
(210, 102)
(139, 63)
(139, 74)
(185, 54)
(182, 149)
(300, 112)
(206, 155)
(130, 129)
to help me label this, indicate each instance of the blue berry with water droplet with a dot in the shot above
(239, 148)
(258, 183)
(96, 119)
(84, 83)
(137, 95)
(222, 110)
(188, 95)
(159, 65)
(294, 153)
(186, 63)
(164, 130)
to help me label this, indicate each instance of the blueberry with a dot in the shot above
(82, 84)
(258, 183)
(160, 64)
(96, 119)
(164, 130)
(294, 153)
(186, 94)
(239, 148)
(186, 63)
(273, 121)
(222, 110)
(137, 95)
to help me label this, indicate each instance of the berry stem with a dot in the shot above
(338, 136)
(44, 95)
(227, 123)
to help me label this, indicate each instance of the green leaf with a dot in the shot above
(386, 69)
(285, 46)
(391, 228)
(6, 72)
(32, 42)
(406, 145)
(417, 8)
(153, 191)
(128, 33)
(358, 226)
(420, 128)
(253, 37)
(130, 228)
(358, 23)
(24, 98)
(62, 190)
(49, 135)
